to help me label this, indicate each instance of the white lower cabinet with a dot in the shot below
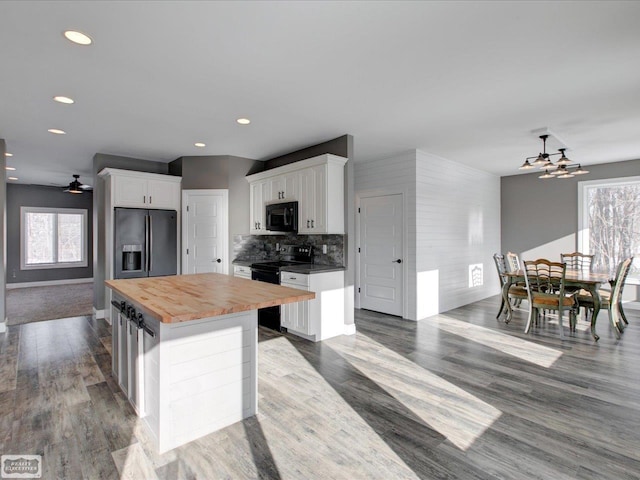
(320, 318)
(128, 358)
(242, 271)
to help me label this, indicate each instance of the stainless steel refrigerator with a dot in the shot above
(145, 243)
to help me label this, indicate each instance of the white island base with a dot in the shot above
(192, 378)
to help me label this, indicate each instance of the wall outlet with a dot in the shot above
(324, 249)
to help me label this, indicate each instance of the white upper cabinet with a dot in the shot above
(143, 190)
(285, 188)
(317, 184)
(260, 193)
(163, 194)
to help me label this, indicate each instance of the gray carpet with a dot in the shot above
(34, 304)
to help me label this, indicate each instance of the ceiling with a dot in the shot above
(466, 81)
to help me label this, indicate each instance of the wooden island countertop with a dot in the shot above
(180, 298)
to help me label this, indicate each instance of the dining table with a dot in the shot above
(589, 281)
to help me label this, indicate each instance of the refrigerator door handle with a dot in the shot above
(146, 242)
(150, 243)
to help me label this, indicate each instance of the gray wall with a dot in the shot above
(100, 161)
(3, 236)
(338, 146)
(537, 212)
(42, 196)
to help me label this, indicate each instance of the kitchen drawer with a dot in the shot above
(241, 271)
(300, 279)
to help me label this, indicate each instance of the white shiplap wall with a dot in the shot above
(458, 225)
(392, 176)
(452, 221)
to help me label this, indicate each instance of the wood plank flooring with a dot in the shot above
(456, 396)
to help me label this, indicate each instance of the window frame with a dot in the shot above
(24, 210)
(583, 217)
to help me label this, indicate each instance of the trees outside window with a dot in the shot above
(610, 223)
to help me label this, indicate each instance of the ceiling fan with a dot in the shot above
(76, 187)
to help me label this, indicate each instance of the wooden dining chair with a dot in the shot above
(546, 291)
(578, 261)
(612, 300)
(517, 293)
(513, 261)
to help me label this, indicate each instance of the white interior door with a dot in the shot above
(205, 231)
(381, 254)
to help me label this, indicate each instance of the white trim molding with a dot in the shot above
(48, 283)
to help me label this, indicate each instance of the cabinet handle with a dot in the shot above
(150, 197)
(307, 223)
(144, 199)
(283, 195)
(312, 224)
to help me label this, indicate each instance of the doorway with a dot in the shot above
(381, 253)
(205, 231)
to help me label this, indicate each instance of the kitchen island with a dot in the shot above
(185, 350)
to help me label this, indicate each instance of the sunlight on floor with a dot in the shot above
(451, 411)
(517, 347)
(319, 423)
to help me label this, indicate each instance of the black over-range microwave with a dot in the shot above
(282, 217)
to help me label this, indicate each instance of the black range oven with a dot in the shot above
(269, 272)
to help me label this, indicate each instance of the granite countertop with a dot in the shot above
(180, 298)
(247, 263)
(310, 269)
(306, 268)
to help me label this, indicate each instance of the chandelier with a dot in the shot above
(563, 168)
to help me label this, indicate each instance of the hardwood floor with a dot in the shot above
(459, 395)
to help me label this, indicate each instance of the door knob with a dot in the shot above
(398, 261)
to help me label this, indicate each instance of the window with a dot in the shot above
(609, 223)
(53, 238)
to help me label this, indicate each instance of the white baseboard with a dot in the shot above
(3, 326)
(99, 313)
(71, 281)
(350, 329)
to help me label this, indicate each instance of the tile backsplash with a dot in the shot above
(259, 247)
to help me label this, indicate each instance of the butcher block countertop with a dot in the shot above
(180, 298)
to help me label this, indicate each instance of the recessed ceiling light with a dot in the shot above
(61, 99)
(243, 121)
(10, 168)
(200, 144)
(57, 131)
(12, 178)
(78, 37)
(7, 154)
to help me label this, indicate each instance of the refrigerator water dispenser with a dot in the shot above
(131, 258)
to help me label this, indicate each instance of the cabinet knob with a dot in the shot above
(307, 223)
(312, 224)
(398, 261)
(218, 260)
